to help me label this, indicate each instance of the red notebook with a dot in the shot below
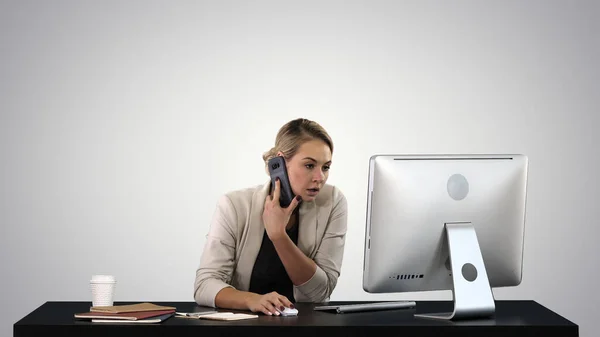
(131, 316)
(145, 306)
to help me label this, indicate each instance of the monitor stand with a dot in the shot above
(472, 294)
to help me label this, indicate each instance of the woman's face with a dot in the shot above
(308, 169)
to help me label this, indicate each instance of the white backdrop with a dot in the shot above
(121, 122)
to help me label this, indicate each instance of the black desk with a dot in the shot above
(513, 318)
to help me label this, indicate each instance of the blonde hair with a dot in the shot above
(295, 133)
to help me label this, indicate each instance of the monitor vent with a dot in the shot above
(406, 276)
(457, 158)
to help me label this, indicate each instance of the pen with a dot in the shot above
(194, 314)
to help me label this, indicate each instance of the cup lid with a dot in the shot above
(103, 278)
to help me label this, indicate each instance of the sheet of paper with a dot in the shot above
(228, 316)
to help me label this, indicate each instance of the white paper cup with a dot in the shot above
(103, 290)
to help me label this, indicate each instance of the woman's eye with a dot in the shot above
(325, 168)
(309, 166)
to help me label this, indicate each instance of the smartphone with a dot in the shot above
(277, 169)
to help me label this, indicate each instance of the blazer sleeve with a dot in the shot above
(218, 257)
(329, 254)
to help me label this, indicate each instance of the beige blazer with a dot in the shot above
(236, 233)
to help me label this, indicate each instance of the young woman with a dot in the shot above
(261, 257)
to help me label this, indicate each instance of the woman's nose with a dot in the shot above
(318, 176)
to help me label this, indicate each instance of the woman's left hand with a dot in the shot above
(275, 217)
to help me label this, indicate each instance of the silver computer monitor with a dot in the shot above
(446, 222)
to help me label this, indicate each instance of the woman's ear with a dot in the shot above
(279, 153)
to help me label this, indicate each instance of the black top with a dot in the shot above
(269, 273)
(513, 318)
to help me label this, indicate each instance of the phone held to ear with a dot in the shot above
(277, 169)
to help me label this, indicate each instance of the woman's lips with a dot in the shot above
(312, 191)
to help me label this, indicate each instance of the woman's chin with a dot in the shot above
(308, 198)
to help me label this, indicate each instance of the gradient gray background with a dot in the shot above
(123, 121)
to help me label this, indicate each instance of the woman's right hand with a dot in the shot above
(268, 303)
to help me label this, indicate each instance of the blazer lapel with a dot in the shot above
(252, 238)
(307, 229)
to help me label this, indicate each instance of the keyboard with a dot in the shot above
(359, 307)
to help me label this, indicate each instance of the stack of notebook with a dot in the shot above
(130, 313)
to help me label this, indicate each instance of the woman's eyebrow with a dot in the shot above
(309, 158)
